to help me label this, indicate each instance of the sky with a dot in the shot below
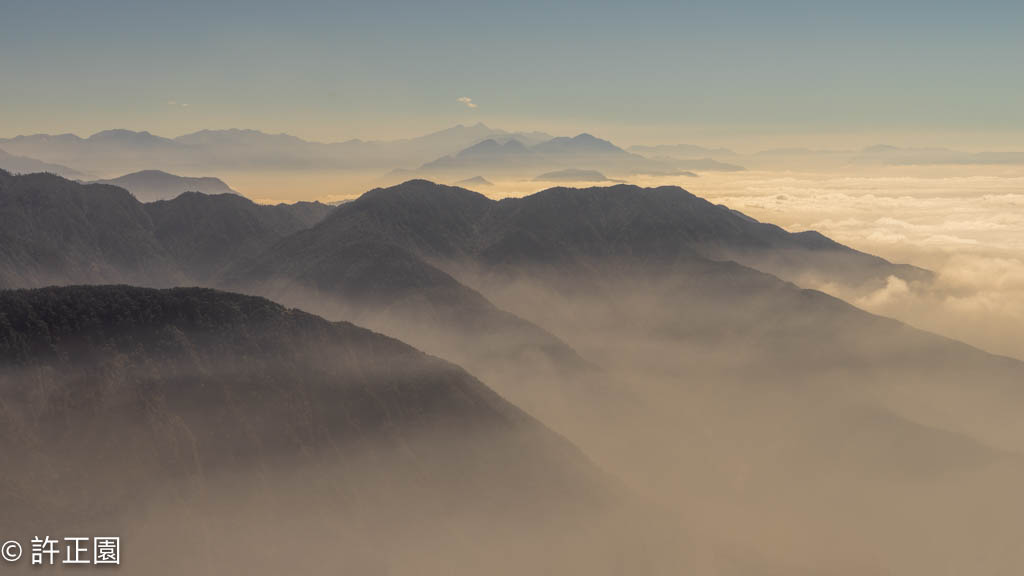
(722, 72)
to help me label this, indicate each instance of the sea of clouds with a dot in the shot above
(968, 229)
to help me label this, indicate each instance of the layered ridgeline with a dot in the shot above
(761, 412)
(63, 232)
(219, 433)
(211, 151)
(452, 153)
(345, 269)
(605, 267)
(57, 231)
(402, 259)
(653, 329)
(564, 225)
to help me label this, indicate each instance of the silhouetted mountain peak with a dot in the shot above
(119, 133)
(191, 196)
(580, 144)
(617, 193)
(572, 175)
(483, 146)
(491, 147)
(474, 181)
(152, 185)
(128, 137)
(419, 189)
(478, 130)
(880, 148)
(419, 199)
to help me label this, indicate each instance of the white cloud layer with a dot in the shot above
(968, 229)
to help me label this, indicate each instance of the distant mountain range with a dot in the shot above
(582, 144)
(809, 158)
(453, 154)
(584, 152)
(513, 154)
(512, 158)
(119, 151)
(457, 150)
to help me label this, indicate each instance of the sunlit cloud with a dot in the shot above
(467, 101)
(967, 229)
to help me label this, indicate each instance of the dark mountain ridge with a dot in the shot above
(161, 414)
(204, 233)
(58, 232)
(491, 147)
(364, 269)
(197, 239)
(450, 222)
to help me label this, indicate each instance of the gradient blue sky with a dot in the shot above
(654, 70)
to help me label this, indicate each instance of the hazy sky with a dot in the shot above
(335, 70)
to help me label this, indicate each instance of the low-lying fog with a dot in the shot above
(784, 432)
(748, 428)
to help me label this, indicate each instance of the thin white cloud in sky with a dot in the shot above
(467, 101)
